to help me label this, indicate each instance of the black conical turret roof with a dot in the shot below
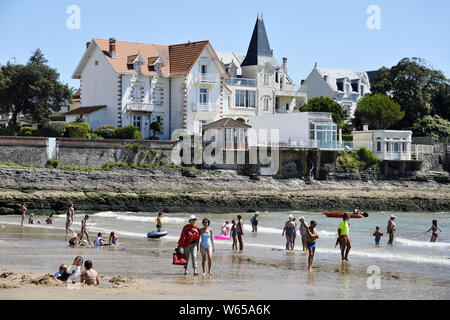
(259, 46)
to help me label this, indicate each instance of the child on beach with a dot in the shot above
(49, 219)
(377, 234)
(84, 228)
(159, 222)
(98, 242)
(226, 228)
(62, 274)
(75, 269)
(233, 235)
(113, 239)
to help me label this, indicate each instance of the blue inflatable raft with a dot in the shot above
(157, 234)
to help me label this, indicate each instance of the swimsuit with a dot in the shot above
(98, 241)
(206, 240)
(255, 222)
(290, 231)
(377, 240)
(311, 245)
(238, 228)
(434, 230)
(302, 231)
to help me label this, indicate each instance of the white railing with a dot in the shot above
(241, 82)
(140, 107)
(319, 115)
(208, 78)
(393, 155)
(205, 107)
(422, 148)
(292, 143)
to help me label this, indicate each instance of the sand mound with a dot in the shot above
(119, 281)
(47, 280)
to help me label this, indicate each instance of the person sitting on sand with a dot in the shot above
(23, 210)
(49, 219)
(84, 228)
(377, 234)
(75, 269)
(343, 232)
(98, 242)
(311, 236)
(113, 239)
(434, 229)
(89, 276)
(391, 227)
(75, 240)
(159, 222)
(233, 235)
(62, 274)
(225, 229)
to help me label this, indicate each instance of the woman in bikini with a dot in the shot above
(206, 245)
(233, 235)
(434, 229)
(90, 275)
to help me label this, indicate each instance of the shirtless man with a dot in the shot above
(391, 227)
(89, 276)
(69, 220)
(311, 236)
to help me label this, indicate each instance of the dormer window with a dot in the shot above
(355, 86)
(340, 85)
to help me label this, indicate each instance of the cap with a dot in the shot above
(313, 222)
(302, 217)
(392, 216)
(291, 216)
(192, 217)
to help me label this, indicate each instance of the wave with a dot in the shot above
(421, 244)
(131, 217)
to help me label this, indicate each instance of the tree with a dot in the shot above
(326, 104)
(379, 111)
(156, 126)
(31, 90)
(418, 88)
(431, 126)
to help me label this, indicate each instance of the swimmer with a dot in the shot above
(206, 245)
(159, 222)
(377, 234)
(289, 230)
(233, 235)
(254, 222)
(302, 230)
(434, 229)
(226, 228)
(23, 210)
(391, 228)
(84, 228)
(343, 232)
(113, 239)
(69, 220)
(49, 219)
(311, 236)
(75, 240)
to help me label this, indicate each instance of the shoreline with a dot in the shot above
(215, 191)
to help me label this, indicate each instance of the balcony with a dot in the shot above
(241, 82)
(205, 107)
(143, 107)
(207, 78)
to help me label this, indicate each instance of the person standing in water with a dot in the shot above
(302, 230)
(49, 219)
(69, 220)
(391, 227)
(233, 235)
(311, 236)
(289, 229)
(190, 235)
(343, 232)
(434, 229)
(23, 210)
(159, 222)
(84, 229)
(240, 232)
(377, 234)
(206, 245)
(254, 222)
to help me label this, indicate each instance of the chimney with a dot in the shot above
(365, 127)
(87, 45)
(112, 48)
(284, 63)
(325, 78)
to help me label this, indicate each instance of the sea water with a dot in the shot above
(413, 268)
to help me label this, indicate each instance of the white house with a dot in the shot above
(258, 83)
(385, 144)
(347, 87)
(181, 86)
(300, 129)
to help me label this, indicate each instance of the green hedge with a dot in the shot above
(29, 132)
(105, 131)
(77, 131)
(55, 129)
(347, 137)
(128, 132)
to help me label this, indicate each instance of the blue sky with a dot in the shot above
(332, 33)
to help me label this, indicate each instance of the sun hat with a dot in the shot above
(192, 217)
(302, 217)
(392, 216)
(291, 216)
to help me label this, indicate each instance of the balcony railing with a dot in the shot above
(146, 107)
(208, 78)
(241, 82)
(205, 107)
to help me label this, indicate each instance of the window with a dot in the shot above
(276, 77)
(347, 109)
(137, 94)
(266, 78)
(203, 95)
(355, 86)
(160, 120)
(378, 146)
(404, 146)
(203, 69)
(240, 98)
(158, 95)
(266, 103)
(277, 103)
(251, 99)
(387, 147)
(137, 121)
(201, 124)
(340, 85)
(395, 145)
(96, 62)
